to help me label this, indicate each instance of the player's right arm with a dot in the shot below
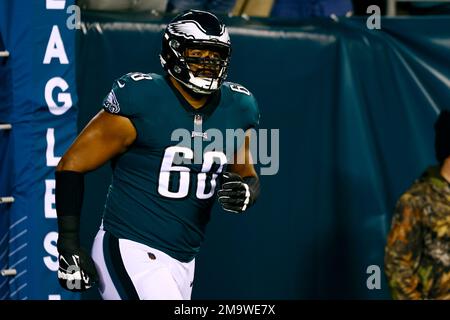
(106, 136)
(403, 251)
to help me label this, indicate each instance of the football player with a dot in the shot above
(160, 199)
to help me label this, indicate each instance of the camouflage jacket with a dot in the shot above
(417, 254)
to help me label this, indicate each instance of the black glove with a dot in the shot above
(236, 194)
(76, 268)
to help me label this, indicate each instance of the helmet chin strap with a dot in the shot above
(199, 91)
(196, 95)
(199, 84)
(193, 90)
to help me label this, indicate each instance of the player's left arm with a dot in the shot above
(240, 184)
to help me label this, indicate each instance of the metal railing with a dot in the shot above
(8, 272)
(5, 126)
(6, 199)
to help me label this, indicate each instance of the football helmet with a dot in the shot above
(195, 29)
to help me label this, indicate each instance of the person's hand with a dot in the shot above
(76, 270)
(234, 196)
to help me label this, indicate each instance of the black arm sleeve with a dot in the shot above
(69, 199)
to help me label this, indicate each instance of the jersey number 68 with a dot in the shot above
(167, 167)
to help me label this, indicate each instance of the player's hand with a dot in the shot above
(235, 193)
(76, 270)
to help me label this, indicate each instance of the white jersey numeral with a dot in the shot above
(140, 76)
(207, 165)
(239, 88)
(167, 168)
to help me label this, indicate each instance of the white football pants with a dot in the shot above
(131, 270)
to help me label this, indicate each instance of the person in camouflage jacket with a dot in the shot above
(417, 253)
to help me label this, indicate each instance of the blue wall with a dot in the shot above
(28, 155)
(355, 109)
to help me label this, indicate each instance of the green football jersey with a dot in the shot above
(163, 186)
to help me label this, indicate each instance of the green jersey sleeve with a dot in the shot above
(123, 99)
(253, 112)
(248, 105)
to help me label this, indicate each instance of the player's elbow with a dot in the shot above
(68, 164)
